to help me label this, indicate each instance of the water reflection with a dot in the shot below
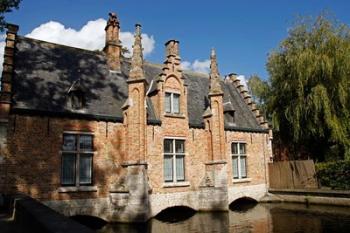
(263, 218)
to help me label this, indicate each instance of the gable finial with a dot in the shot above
(136, 71)
(214, 76)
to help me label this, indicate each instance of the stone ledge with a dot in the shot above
(181, 116)
(177, 184)
(214, 162)
(77, 189)
(245, 180)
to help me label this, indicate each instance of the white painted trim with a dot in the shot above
(149, 88)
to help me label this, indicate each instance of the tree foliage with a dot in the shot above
(310, 86)
(259, 90)
(7, 6)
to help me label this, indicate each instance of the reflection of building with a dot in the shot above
(92, 132)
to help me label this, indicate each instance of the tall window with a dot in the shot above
(172, 103)
(174, 160)
(239, 160)
(77, 151)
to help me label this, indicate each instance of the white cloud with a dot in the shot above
(243, 80)
(91, 36)
(197, 65)
(2, 48)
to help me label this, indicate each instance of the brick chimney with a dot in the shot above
(113, 46)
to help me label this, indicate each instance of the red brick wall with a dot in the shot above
(34, 160)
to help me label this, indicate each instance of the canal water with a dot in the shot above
(259, 218)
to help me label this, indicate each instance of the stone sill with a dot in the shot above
(177, 184)
(181, 116)
(245, 180)
(77, 189)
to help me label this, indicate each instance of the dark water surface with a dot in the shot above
(261, 218)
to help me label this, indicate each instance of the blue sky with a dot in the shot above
(243, 32)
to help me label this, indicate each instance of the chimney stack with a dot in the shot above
(113, 46)
(172, 48)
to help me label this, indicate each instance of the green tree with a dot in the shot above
(6, 6)
(310, 86)
(259, 90)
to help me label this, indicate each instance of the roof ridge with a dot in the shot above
(60, 45)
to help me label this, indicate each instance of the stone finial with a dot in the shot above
(215, 87)
(136, 71)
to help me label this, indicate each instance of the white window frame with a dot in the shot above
(239, 156)
(173, 155)
(172, 110)
(78, 152)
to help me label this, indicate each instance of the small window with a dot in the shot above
(76, 100)
(77, 154)
(239, 160)
(174, 160)
(230, 118)
(172, 103)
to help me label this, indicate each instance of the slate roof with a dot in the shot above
(45, 72)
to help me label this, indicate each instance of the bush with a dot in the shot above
(335, 175)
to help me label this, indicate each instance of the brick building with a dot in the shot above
(96, 133)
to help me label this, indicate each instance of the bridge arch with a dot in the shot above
(90, 221)
(175, 214)
(243, 204)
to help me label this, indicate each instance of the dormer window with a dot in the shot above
(230, 118)
(229, 114)
(76, 96)
(77, 100)
(172, 103)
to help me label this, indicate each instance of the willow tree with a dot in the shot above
(7, 6)
(310, 86)
(259, 90)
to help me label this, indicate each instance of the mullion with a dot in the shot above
(174, 153)
(77, 179)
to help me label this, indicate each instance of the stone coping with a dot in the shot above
(313, 192)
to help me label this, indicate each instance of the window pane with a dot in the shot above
(168, 168)
(69, 142)
(180, 168)
(68, 169)
(176, 103)
(243, 166)
(234, 148)
(235, 166)
(180, 146)
(167, 102)
(168, 146)
(85, 142)
(242, 148)
(85, 169)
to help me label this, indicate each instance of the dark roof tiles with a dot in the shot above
(44, 72)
